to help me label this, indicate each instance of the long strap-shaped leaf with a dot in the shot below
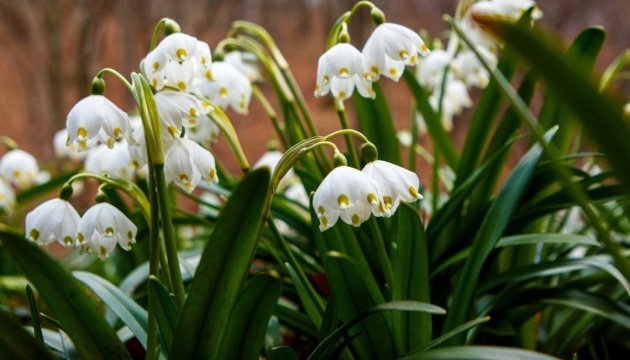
(494, 223)
(78, 315)
(222, 270)
(17, 343)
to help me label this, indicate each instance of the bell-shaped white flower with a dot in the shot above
(506, 10)
(245, 62)
(20, 169)
(63, 150)
(96, 117)
(102, 227)
(395, 184)
(113, 162)
(270, 159)
(432, 67)
(53, 220)
(389, 48)
(469, 69)
(454, 100)
(177, 109)
(340, 70)
(345, 193)
(186, 162)
(7, 197)
(227, 87)
(204, 131)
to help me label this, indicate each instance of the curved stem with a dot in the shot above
(8, 142)
(116, 74)
(347, 132)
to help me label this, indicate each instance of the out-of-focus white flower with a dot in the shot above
(270, 160)
(53, 220)
(454, 100)
(204, 132)
(177, 109)
(469, 69)
(297, 193)
(626, 110)
(102, 227)
(432, 67)
(227, 87)
(507, 10)
(245, 62)
(63, 150)
(390, 48)
(113, 162)
(347, 193)
(20, 169)
(186, 162)
(395, 184)
(7, 197)
(96, 117)
(340, 70)
(404, 138)
(179, 61)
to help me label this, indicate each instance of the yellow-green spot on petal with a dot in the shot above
(326, 78)
(129, 235)
(117, 132)
(393, 72)
(102, 252)
(320, 210)
(324, 221)
(344, 71)
(212, 173)
(208, 75)
(82, 133)
(356, 221)
(67, 240)
(424, 48)
(181, 85)
(343, 201)
(413, 59)
(109, 231)
(342, 95)
(413, 192)
(374, 70)
(372, 198)
(403, 54)
(33, 234)
(80, 238)
(173, 131)
(181, 53)
(223, 92)
(156, 65)
(192, 111)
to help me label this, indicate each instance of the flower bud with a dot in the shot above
(98, 86)
(369, 152)
(339, 159)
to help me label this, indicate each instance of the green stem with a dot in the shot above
(381, 252)
(116, 74)
(341, 112)
(411, 165)
(154, 250)
(169, 235)
(225, 125)
(278, 127)
(576, 192)
(347, 132)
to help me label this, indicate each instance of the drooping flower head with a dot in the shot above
(245, 62)
(114, 162)
(96, 118)
(63, 150)
(7, 197)
(389, 48)
(395, 184)
(432, 67)
(177, 109)
(469, 69)
(102, 227)
(340, 70)
(20, 169)
(186, 163)
(53, 220)
(345, 193)
(454, 100)
(227, 86)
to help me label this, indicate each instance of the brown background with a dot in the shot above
(50, 49)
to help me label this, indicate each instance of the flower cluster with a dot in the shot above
(98, 231)
(354, 195)
(461, 69)
(390, 47)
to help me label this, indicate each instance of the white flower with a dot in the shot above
(469, 69)
(177, 109)
(297, 193)
(7, 197)
(53, 220)
(227, 87)
(204, 132)
(395, 184)
(63, 150)
(95, 117)
(347, 193)
(507, 10)
(19, 168)
(113, 162)
(432, 67)
(340, 70)
(245, 62)
(102, 227)
(454, 100)
(390, 48)
(270, 160)
(186, 162)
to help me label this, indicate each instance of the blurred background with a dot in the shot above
(50, 50)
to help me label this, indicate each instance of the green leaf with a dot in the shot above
(222, 269)
(282, 353)
(245, 331)
(434, 125)
(491, 229)
(601, 115)
(479, 353)
(78, 315)
(352, 297)
(455, 332)
(17, 343)
(37, 326)
(326, 346)
(166, 313)
(375, 122)
(410, 261)
(310, 305)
